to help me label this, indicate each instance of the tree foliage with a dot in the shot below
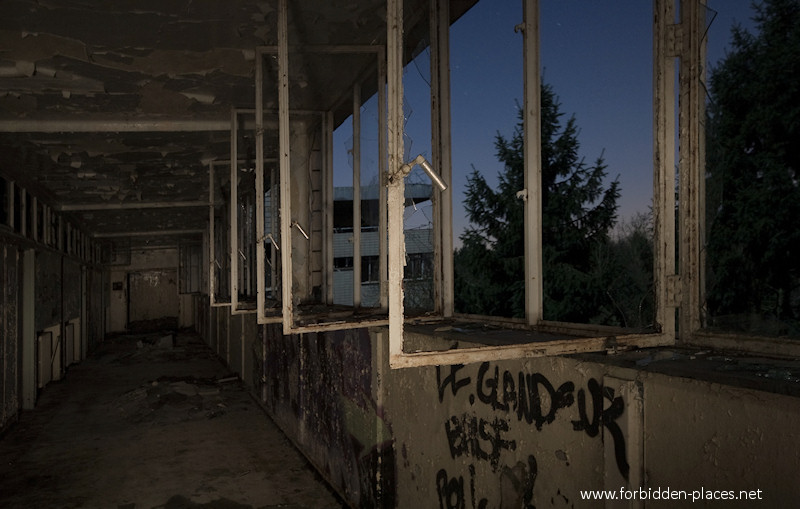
(578, 212)
(753, 159)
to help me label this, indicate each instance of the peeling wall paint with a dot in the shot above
(150, 262)
(153, 295)
(56, 306)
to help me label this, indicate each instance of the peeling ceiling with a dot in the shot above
(111, 110)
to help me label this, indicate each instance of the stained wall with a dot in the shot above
(152, 301)
(10, 336)
(522, 433)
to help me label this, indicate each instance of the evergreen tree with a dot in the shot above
(753, 160)
(578, 211)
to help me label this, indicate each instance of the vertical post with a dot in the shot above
(444, 165)
(396, 191)
(357, 195)
(212, 281)
(29, 380)
(234, 219)
(436, 146)
(327, 190)
(284, 161)
(84, 324)
(533, 163)
(664, 55)
(274, 205)
(23, 207)
(10, 194)
(691, 166)
(259, 140)
(35, 220)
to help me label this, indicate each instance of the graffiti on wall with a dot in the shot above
(318, 387)
(527, 398)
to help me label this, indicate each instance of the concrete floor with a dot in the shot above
(147, 425)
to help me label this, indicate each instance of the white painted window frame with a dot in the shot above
(684, 289)
(212, 226)
(586, 337)
(236, 309)
(287, 225)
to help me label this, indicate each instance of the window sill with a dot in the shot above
(747, 371)
(461, 342)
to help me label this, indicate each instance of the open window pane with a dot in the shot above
(485, 105)
(219, 243)
(306, 182)
(343, 207)
(271, 235)
(268, 188)
(752, 258)
(345, 152)
(518, 195)
(597, 161)
(243, 210)
(419, 213)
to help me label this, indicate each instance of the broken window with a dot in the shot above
(749, 283)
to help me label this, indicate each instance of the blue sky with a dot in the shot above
(599, 62)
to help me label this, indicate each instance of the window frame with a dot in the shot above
(585, 337)
(334, 320)
(234, 160)
(212, 227)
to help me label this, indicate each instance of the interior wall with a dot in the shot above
(142, 260)
(152, 295)
(53, 289)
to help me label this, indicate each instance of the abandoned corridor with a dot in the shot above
(153, 421)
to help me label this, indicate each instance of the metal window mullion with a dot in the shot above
(382, 174)
(285, 169)
(533, 163)
(446, 165)
(436, 145)
(212, 283)
(234, 216)
(327, 190)
(396, 188)
(664, 165)
(692, 182)
(357, 195)
(10, 194)
(23, 220)
(35, 220)
(274, 206)
(259, 140)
